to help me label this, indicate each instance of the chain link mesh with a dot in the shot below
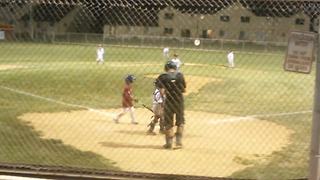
(245, 117)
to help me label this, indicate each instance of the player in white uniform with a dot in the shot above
(166, 53)
(176, 61)
(230, 58)
(100, 54)
(157, 108)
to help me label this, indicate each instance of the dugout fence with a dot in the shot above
(246, 117)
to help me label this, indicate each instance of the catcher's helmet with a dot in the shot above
(170, 65)
(130, 78)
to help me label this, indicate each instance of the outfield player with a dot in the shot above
(100, 54)
(166, 53)
(127, 100)
(176, 61)
(172, 85)
(230, 58)
(157, 108)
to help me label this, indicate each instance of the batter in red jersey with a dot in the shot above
(127, 100)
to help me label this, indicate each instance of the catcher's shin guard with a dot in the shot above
(169, 139)
(162, 128)
(179, 134)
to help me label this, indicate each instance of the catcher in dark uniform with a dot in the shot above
(172, 86)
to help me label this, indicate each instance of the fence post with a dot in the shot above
(68, 37)
(266, 46)
(53, 37)
(182, 42)
(142, 41)
(162, 44)
(314, 168)
(221, 44)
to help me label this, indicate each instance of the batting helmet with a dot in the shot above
(170, 65)
(130, 78)
(156, 83)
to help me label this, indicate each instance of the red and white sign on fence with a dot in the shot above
(300, 52)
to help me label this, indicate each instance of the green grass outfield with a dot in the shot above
(68, 73)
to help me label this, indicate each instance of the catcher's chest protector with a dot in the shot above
(173, 83)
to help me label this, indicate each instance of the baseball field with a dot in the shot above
(57, 105)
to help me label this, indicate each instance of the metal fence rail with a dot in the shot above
(156, 41)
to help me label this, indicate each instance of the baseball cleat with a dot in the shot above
(178, 146)
(167, 146)
(151, 133)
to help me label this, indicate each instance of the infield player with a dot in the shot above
(176, 61)
(230, 58)
(172, 85)
(166, 53)
(157, 108)
(127, 100)
(100, 54)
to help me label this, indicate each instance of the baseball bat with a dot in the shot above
(145, 106)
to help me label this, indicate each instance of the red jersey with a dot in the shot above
(127, 96)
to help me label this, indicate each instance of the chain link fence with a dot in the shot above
(66, 101)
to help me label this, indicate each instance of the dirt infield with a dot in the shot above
(213, 146)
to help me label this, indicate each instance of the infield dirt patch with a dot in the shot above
(210, 148)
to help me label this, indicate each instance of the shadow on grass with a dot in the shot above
(22, 144)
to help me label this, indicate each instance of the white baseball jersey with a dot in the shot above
(100, 53)
(157, 98)
(177, 62)
(230, 57)
(166, 52)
